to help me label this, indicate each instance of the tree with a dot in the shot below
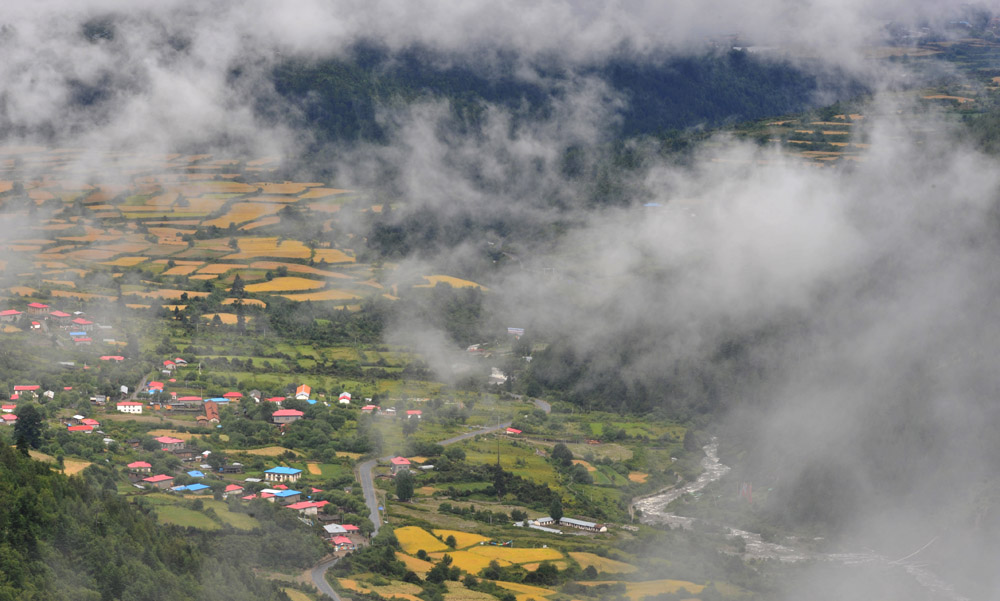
(450, 541)
(238, 289)
(28, 426)
(404, 485)
(562, 454)
(556, 510)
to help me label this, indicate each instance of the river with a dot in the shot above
(654, 512)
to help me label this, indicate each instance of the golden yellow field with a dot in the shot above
(242, 212)
(332, 255)
(314, 468)
(959, 99)
(181, 270)
(296, 595)
(280, 188)
(419, 566)
(262, 222)
(639, 477)
(469, 562)
(589, 467)
(462, 539)
(74, 466)
(322, 295)
(531, 567)
(458, 592)
(525, 591)
(297, 268)
(401, 590)
(229, 319)
(285, 284)
(638, 590)
(220, 268)
(413, 538)
(516, 555)
(434, 280)
(602, 564)
(203, 276)
(126, 261)
(170, 293)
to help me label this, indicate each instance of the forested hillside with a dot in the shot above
(76, 539)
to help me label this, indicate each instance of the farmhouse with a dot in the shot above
(302, 392)
(233, 395)
(513, 431)
(282, 474)
(60, 317)
(10, 315)
(370, 409)
(286, 416)
(195, 488)
(129, 407)
(580, 524)
(90, 422)
(341, 543)
(345, 398)
(38, 309)
(32, 388)
(399, 464)
(332, 530)
(275, 399)
(8, 418)
(81, 428)
(232, 489)
(308, 507)
(161, 481)
(8, 408)
(414, 413)
(84, 325)
(169, 443)
(139, 467)
(284, 497)
(212, 412)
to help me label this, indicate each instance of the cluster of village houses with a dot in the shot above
(41, 316)
(341, 536)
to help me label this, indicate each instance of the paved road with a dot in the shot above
(318, 575)
(365, 478)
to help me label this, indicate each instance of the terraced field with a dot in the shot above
(156, 227)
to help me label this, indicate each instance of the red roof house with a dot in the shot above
(513, 431)
(414, 413)
(159, 481)
(275, 399)
(233, 395)
(399, 464)
(286, 416)
(8, 418)
(25, 388)
(80, 428)
(302, 392)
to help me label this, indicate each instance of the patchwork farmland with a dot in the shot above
(170, 227)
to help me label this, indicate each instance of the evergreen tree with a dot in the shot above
(404, 485)
(28, 426)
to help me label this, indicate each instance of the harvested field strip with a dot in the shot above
(314, 468)
(323, 295)
(242, 212)
(267, 451)
(220, 268)
(638, 477)
(230, 319)
(203, 276)
(638, 590)
(467, 561)
(181, 270)
(321, 193)
(458, 592)
(462, 539)
(959, 99)
(525, 589)
(447, 279)
(285, 284)
(332, 255)
(414, 538)
(297, 268)
(262, 222)
(516, 555)
(80, 295)
(602, 564)
(170, 293)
